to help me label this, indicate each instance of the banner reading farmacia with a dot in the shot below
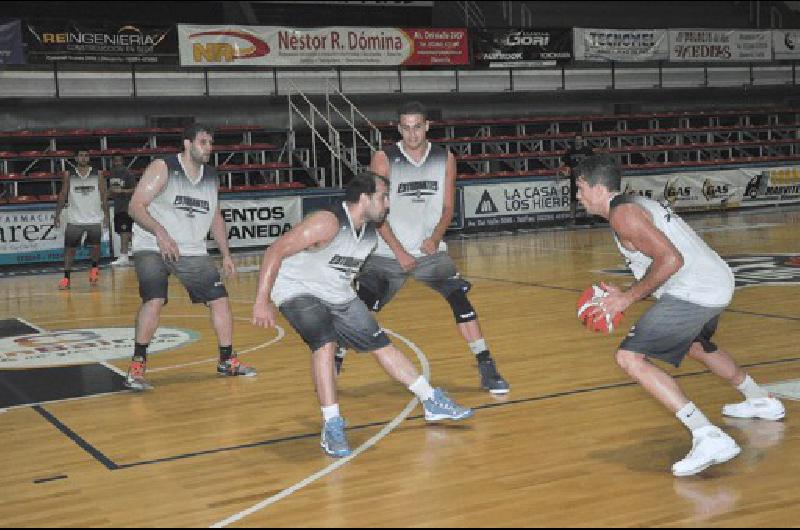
(335, 46)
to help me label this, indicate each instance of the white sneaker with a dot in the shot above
(766, 408)
(121, 261)
(709, 446)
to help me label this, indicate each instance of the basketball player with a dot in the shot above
(308, 275)
(86, 197)
(692, 286)
(175, 206)
(123, 183)
(423, 186)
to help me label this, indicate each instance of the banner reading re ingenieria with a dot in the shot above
(334, 46)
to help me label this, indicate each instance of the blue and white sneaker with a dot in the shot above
(441, 407)
(334, 439)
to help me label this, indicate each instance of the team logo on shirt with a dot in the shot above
(751, 269)
(416, 190)
(85, 190)
(191, 206)
(347, 265)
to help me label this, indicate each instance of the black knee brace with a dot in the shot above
(371, 299)
(462, 309)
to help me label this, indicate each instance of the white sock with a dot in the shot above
(692, 417)
(422, 389)
(330, 412)
(750, 389)
(478, 347)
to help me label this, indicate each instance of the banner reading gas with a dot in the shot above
(335, 46)
(515, 203)
(624, 45)
(258, 223)
(701, 45)
(748, 186)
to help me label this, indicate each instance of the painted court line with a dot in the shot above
(344, 461)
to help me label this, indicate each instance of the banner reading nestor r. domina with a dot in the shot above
(334, 46)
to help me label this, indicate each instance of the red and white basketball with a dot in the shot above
(592, 314)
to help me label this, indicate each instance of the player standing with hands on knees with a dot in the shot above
(692, 286)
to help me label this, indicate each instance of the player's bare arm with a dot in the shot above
(63, 197)
(316, 231)
(153, 182)
(431, 245)
(220, 234)
(637, 232)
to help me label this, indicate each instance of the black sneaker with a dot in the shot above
(338, 359)
(491, 379)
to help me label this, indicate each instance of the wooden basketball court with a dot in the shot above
(575, 443)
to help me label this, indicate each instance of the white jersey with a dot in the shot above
(327, 273)
(416, 199)
(84, 203)
(705, 279)
(184, 209)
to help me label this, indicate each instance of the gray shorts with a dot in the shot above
(319, 323)
(383, 277)
(669, 328)
(198, 274)
(74, 233)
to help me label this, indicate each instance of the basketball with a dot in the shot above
(592, 315)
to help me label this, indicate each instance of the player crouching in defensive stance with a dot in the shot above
(308, 274)
(692, 286)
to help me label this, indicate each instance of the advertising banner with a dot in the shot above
(495, 205)
(710, 45)
(505, 48)
(106, 44)
(258, 222)
(334, 46)
(748, 186)
(623, 45)
(786, 44)
(28, 236)
(11, 51)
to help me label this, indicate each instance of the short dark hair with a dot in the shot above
(601, 169)
(413, 107)
(366, 182)
(190, 133)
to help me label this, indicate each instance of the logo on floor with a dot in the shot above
(81, 346)
(750, 270)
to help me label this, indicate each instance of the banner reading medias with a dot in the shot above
(11, 51)
(515, 203)
(624, 45)
(786, 44)
(504, 48)
(706, 45)
(335, 46)
(48, 43)
(259, 222)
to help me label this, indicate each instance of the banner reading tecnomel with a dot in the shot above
(595, 44)
(711, 45)
(335, 46)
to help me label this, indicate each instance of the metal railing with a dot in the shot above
(331, 141)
